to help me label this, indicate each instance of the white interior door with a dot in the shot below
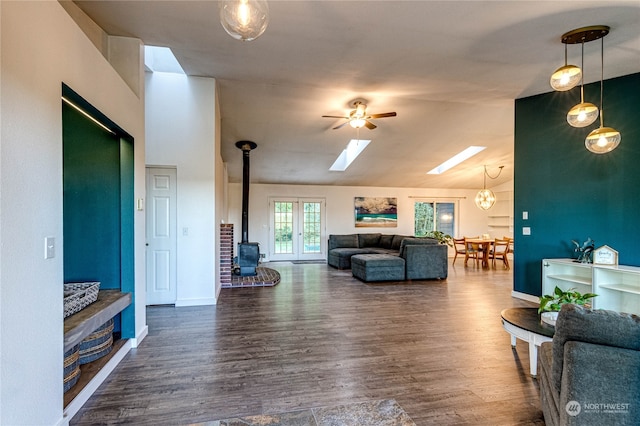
(161, 236)
(297, 229)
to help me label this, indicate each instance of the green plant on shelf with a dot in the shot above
(553, 302)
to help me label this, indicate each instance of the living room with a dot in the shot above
(567, 192)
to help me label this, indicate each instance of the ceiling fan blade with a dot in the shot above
(337, 127)
(369, 125)
(383, 115)
(335, 116)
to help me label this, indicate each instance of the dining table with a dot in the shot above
(484, 244)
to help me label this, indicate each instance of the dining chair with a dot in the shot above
(472, 250)
(510, 243)
(460, 248)
(500, 250)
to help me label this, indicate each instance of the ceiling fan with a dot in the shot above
(358, 117)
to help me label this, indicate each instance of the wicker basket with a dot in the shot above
(97, 344)
(71, 368)
(79, 295)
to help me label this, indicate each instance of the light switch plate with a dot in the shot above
(525, 215)
(526, 230)
(49, 247)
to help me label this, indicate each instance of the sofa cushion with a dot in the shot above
(340, 241)
(602, 327)
(385, 241)
(368, 240)
(415, 242)
(397, 240)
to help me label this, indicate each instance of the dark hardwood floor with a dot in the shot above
(322, 338)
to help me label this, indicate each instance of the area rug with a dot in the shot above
(309, 262)
(265, 277)
(386, 412)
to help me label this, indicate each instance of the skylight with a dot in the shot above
(456, 159)
(353, 149)
(161, 59)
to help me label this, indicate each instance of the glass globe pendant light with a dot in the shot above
(585, 113)
(244, 20)
(485, 199)
(603, 139)
(566, 77)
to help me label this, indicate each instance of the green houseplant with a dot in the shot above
(441, 237)
(553, 302)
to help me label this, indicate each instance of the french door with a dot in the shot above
(297, 230)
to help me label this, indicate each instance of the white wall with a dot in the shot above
(181, 132)
(340, 207)
(41, 48)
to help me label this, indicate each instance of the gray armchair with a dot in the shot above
(590, 373)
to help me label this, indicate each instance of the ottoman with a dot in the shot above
(377, 267)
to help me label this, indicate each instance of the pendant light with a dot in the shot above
(485, 199)
(566, 77)
(585, 113)
(603, 139)
(244, 20)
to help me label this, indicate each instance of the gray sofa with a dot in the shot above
(383, 257)
(590, 373)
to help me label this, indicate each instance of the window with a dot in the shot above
(434, 216)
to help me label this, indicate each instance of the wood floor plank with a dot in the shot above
(322, 338)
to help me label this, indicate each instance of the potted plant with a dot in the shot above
(550, 304)
(441, 237)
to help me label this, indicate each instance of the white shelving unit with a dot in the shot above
(501, 215)
(617, 287)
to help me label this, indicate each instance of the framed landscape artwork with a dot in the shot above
(376, 212)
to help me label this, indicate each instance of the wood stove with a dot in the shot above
(248, 253)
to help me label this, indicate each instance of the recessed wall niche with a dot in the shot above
(98, 202)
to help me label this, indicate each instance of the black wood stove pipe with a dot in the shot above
(246, 147)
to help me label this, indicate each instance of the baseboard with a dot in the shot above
(195, 302)
(525, 296)
(84, 395)
(140, 337)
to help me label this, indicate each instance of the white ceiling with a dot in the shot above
(450, 69)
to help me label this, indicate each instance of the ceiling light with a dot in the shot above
(485, 199)
(566, 77)
(353, 149)
(456, 159)
(356, 123)
(244, 20)
(585, 113)
(603, 139)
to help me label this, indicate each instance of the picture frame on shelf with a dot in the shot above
(605, 255)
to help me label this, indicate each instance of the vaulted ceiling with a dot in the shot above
(450, 69)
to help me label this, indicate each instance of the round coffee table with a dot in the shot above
(525, 324)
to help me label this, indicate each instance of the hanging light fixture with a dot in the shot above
(485, 199)
(585, 113)
(244, 20)
(566, 77)
(603, 139)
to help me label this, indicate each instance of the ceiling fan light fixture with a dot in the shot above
(582, 115)
(244, 20)
(357, 123)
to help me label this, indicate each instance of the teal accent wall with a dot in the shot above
(98, 204)
(569, 192)
(91, 206)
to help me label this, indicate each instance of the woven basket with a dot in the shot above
(97, 344)
(71, 368)
(79, 295)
